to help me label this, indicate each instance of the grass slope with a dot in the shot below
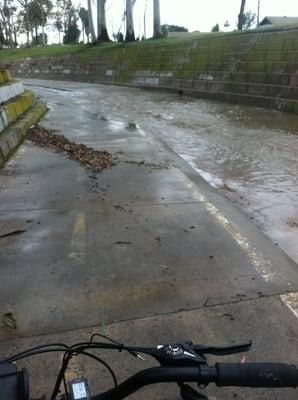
(92, 50)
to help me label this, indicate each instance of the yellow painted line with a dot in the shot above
(79, 225)
(291, 301)
(78, 241)
(260, 263)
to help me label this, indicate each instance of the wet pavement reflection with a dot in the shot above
(249, 154)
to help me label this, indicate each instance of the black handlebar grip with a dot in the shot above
(257, 375)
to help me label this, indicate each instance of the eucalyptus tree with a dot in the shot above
(241, 18)
(102, 32)
(156, 19)
(61, 12)
(90, 23)
(130, 33)
(25, 18)
(83, 14)
(59, 26)
(46, 7)
(7, 11)
(38, 13)
(258, 15)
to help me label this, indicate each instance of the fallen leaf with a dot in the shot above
(94, 160)
(8, 321)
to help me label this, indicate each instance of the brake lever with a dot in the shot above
(187, 354)
(223, 351)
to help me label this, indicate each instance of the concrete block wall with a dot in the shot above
(15, 107)
(252, 68)
(12, 89)
(18, 111)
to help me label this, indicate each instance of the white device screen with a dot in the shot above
(79, 391)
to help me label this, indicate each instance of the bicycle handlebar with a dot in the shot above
(180, 363)
(157, 375)
(257, 375)
(246, 375)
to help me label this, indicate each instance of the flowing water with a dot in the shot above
(249, 154)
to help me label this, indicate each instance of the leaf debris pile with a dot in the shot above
(94, 160)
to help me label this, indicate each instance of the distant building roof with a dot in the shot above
(279, 21)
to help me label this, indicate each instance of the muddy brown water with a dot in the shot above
(249, 154)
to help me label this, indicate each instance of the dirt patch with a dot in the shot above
(95, 160)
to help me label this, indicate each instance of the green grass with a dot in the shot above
(53, 50)
(89, 51)
(39, 51)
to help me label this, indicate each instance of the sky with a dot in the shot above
(198, 15)
(203, 15)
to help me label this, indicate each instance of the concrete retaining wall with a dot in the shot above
(8, 91)
(10, 111)
(15, 134)
(251, 68)
(18, 111)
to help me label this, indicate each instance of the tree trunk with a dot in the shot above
(83, 32)
(15, 36)
(90, 19)
(6, 22)
(156, 21)
(145, 19)
(42, 26)
(27, 25)
(36, 33)
(102, 33)
(241, 16)
(43, 36)
(130, 33)
(6, 31)
(10, 32)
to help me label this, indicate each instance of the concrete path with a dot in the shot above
(146, 251)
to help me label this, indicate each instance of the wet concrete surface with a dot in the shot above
(146, 251)
(250, 154)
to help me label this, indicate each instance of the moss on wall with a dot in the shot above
(235, 66)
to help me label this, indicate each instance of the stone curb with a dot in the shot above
(5, 76)
(10, 90)
(14, 108)
(13, 136)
